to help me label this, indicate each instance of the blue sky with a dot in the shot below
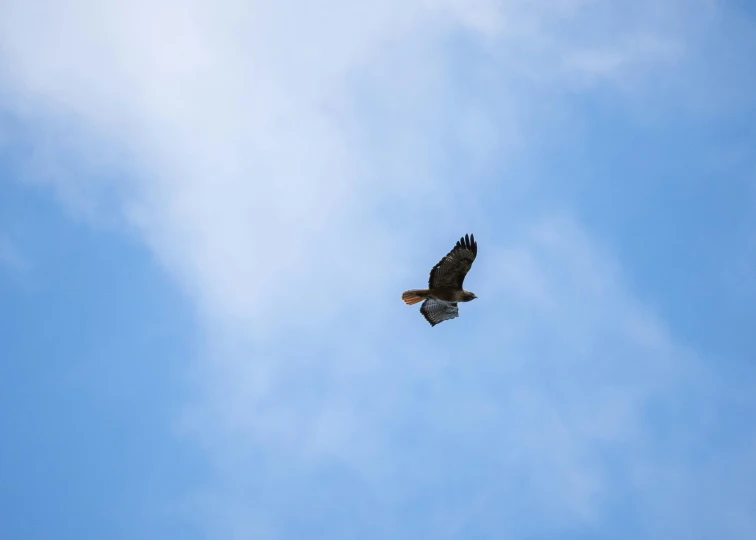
(208, 212)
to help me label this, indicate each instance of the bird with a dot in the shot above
(445, 283)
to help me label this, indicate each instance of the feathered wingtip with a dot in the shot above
(468, 242)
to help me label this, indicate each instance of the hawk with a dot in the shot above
(445, 284)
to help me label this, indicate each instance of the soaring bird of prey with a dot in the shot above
(445, 284)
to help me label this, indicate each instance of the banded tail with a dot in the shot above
(413, 296)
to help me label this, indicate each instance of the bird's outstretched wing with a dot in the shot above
(436, 311)
(451, 270)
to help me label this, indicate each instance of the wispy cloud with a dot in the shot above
(572, 407)
(269, 117)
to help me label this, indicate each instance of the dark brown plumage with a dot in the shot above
(445, 283)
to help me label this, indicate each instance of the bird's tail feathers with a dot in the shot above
(413, 296)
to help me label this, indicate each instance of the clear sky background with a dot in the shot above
(208, 213)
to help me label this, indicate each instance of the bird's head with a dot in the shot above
(469, 296)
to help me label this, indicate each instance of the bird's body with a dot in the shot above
(444, 294)
(445, 284)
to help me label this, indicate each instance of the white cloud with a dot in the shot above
(249, 117)
(562, 403)
(235, 128)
